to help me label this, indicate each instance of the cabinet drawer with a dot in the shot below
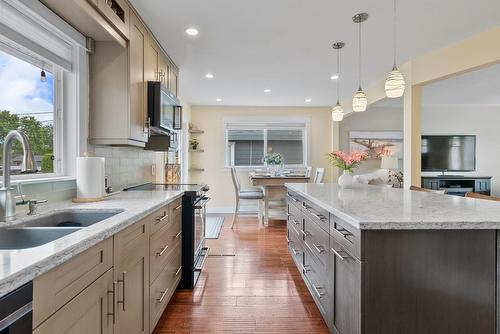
(295, 220)
(295, 247)
(346, 235)
(317, 240)
(55, 288)
(91, 311)
(175, 208)
(317, 215)
(317, 281)
(294, 199)
(159, 219)
(162, 243)
(164, 286)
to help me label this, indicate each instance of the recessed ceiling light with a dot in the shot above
(267, 90)
(334, 77)
(219, 100)
(209, 76)
(308, 100)
(192, 31)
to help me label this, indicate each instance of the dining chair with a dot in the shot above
(442, 192)
(319, 173)
(250, 193)
(481, 196)
(308, 171)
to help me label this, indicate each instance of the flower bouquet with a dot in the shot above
(274, 161)
(347, 162)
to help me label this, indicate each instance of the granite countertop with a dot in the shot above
(380, 207)
(18, 267)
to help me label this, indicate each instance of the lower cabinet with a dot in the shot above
(91, 311)
(109, 288)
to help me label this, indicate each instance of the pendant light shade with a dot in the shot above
(359, 101)
(337, 113)
(395, 84)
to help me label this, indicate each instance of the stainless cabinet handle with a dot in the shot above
(162, 218)
(295, 252)
(113, 292)
(178, 235)
(295, 222)
(305, 268)
(318, 249)
(318, 216)
(305, 233)
(122, 281)
(178, 271)
(164, 293)
(162, 250)
(317, 292)
(305, 206)
(343, 232)
(341, 258)
(293, 198)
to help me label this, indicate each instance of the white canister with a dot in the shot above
(90, 176)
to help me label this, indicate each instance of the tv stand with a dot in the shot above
(458, 185)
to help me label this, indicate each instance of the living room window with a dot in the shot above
(248, 143)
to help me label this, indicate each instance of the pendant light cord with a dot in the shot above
(359, 55)
(338, 73)
(395, 27)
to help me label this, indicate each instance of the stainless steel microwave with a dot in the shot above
(164, 109)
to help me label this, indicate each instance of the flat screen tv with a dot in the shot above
(451, 153)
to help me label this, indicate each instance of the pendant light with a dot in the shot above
(43, 76)
(359, 101)
(337, 111)
(395, 82)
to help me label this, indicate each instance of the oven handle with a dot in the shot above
(200, 268)
(15, 316)
(201, 203)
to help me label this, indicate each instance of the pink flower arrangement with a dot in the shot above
(346, 161)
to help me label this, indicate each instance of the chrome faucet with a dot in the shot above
(7, 200)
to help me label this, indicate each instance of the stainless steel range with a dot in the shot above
(194, 251)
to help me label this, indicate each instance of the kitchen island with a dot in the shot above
(383, 260)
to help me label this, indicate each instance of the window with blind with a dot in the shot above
(247, 144)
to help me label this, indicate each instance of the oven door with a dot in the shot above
(199, 225)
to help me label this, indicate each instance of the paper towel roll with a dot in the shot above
(90, 178)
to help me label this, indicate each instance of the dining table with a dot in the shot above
(275, 192)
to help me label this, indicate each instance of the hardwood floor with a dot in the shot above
(259, 290)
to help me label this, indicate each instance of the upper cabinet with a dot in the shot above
(116, 12)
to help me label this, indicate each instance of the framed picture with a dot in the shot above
(377, 143)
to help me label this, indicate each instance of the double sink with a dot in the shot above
(40, 230)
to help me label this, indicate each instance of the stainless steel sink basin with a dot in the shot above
(70, 218)
(21, 238)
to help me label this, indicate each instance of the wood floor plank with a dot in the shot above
(259, 290)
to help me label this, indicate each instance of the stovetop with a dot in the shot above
(187, 187)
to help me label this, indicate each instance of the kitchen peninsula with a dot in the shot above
(383, 260)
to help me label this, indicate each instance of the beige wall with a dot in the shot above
(211, 120)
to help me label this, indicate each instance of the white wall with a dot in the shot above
(481, 121)
(218, 177)
(374, 119)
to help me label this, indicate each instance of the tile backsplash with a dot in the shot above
(125, 166)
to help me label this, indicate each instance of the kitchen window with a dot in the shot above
(27, 102)
(248, 142)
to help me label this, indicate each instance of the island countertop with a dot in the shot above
(369, 207)
(19, 266)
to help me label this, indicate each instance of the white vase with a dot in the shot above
(345, 180)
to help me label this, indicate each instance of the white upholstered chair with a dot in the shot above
(319, 173)
(250, 193)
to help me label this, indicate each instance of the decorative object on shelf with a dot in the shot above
(396, 179)
(359, 101)
(395, 82)
(377, 143)
(337, 111)
(274, 162)
(194, 143)
(346, 162)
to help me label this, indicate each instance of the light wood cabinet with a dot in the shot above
(152, 59)
(173, 80)
(131, 273)
(89, 312)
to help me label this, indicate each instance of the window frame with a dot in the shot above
(265, 124)
(58, 98)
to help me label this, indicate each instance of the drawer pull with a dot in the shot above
(293, 198)
(162, 218)
(342, 231)
(337, 254)
(122, 281)
(305, 233)
(178, 235)
(178, 271)
(305, 206)
(113, 292)
(295, 222)
(317, 292)
(318, 216)
(178, 207)
(305, 269)
(164, 293)
(162, 251)
(319, 249)
(295, 252)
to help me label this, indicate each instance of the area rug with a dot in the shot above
(213, 227)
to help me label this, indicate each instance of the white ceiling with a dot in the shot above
(285, 45)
